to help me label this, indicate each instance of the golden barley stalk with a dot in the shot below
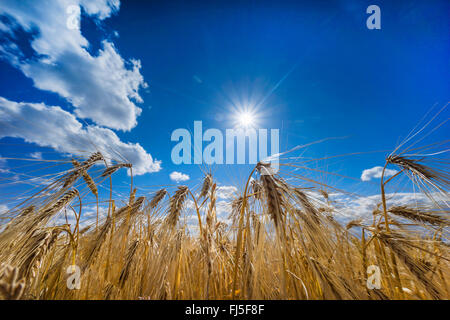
(10, 287)
(159, 195)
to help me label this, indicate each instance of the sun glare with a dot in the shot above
(245, 119)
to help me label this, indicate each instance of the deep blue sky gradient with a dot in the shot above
(313, 67)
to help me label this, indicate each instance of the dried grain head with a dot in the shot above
(159, 195)
(211, 214)
(418, 215)
(421, 174)
(307, 206)
(95, 246)
(86, 177)
(257, 189)
(11, 288)
(354, 223)
(207, 183)
(176, 205)
(90, 183)
(35, 249)
(110, 170)
(236, 206)
(129, 257)
(95, 157)
(57, 206)
(396, 242)
(274, 199)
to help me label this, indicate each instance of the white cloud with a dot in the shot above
(102, 8)
(349, 208)
(53, 127)
(223, 210)
(102, 87)
(226, 192)
(376, 172)
(35, 155)
(3, 208)
(88, 218)
(178, 176)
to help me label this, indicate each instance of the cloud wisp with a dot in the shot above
(36, 155)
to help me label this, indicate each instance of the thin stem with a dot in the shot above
(239, 235)
(198, 213)
(393, 176)
(383, 198)
(131, 181)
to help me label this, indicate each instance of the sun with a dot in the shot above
(245, 119)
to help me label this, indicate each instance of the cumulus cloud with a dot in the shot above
(102, 87)
(54, 127)
(226, 192)
(376, 172)
(43, 40)
(178, 176)
(349, 208)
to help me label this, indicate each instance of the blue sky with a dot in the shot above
(136, 71)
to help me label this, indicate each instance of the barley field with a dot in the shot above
(224, 150)
(284, 240)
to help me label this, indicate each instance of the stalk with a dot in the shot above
(198, 213)
(239, 236)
